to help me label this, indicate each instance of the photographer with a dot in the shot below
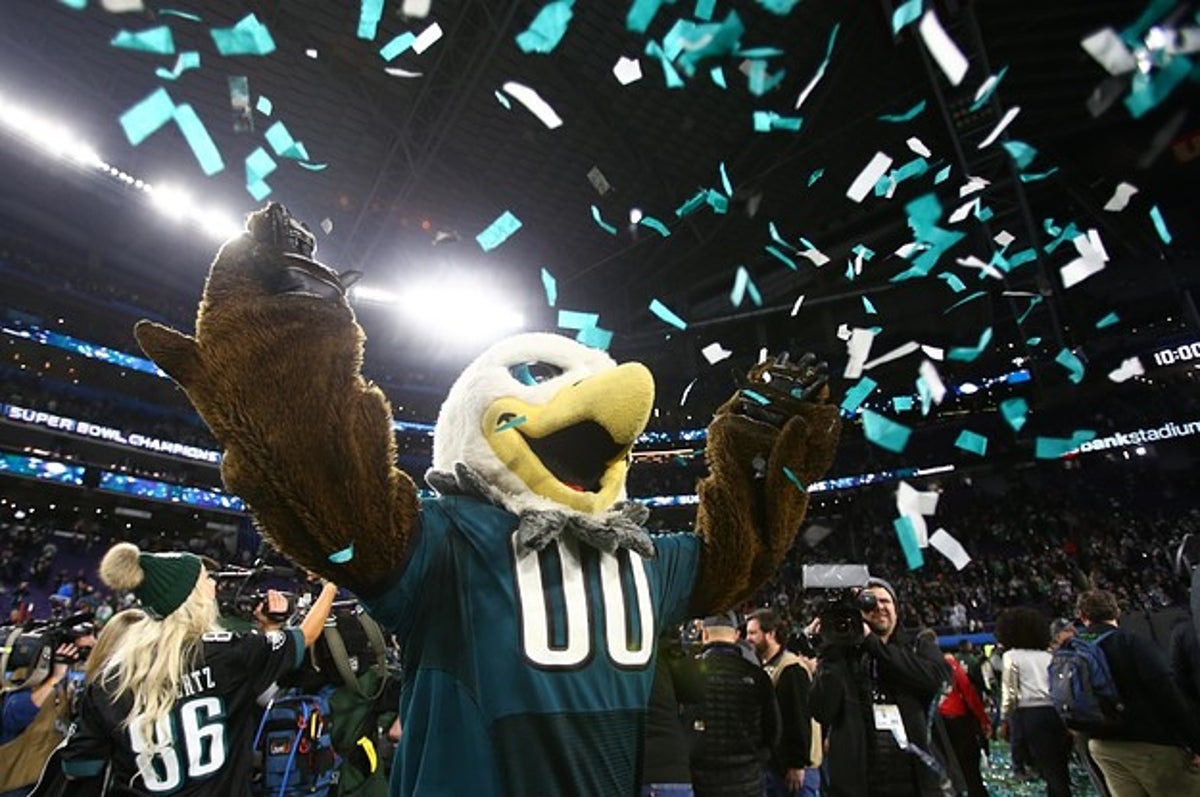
(872, 693)
(22, 705)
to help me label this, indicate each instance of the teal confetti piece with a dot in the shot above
(902, 403)
(78, 5)
(498, 231)
(868, 306)
(189, 59)
(1021, 258)
(961, 302)
(1069, 360)
(1108, 321)
(172, 12)
(1160, 225)
(1034, 341)
(281, 141)
(247, 37)
(787, 261)
(152, 40)
(907, 535)
(953, 281)
(670, 73)
(259, 164)
(1015, 412)
(1037, 176)
(987, 95)
(641, 14)
(906, 116)
(968, 354)
(717, 74)
(656, 225)
(369, 14)
(1154, 10)
(147, 116)
(1056, 447)
(198, 139)
(692, 205)
(942, 175)
(511, 424)
(777, 238)
(857, 394)
(728, 186)
(550, 285)
(760, 81)
(397, 46)
(794, 479)
(816, 174)
(342, 556)
(503, 100)
(766, 121)
(926, 394)
(1148, 92)
(972, 442)
(259, 190)
(884, 432)
(547, 28)
(665, 314)
(779, 7)
(264, 105)
(704, 9)
(754, 395)
(1034, 301)
(595, 337)
(574, 319)
(601, 223)
(717, 201)
(1022, 154)
(716, 41)
(905, 14)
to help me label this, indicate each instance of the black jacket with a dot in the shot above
(665, 755)
(736, 725)
(862, 761)
(1156, 712)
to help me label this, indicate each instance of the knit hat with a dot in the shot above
(722, 620)
(875, 581)
(161, 581)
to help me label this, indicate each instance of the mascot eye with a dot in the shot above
(534, 373)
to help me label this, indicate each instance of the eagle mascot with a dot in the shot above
(527, 595)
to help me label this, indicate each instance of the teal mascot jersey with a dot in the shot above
(527, 596)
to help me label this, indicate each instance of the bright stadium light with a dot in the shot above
(458, 309)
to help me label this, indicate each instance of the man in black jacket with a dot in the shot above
(1156, 749)
(738, 721)
(874, 699)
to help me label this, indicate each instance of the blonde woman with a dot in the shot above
(172, 708)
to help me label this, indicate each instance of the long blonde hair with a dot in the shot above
(106, 642)
(151, 657)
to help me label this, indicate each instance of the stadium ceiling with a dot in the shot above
(418, 165)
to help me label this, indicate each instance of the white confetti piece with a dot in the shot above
(858, 348)
(1091, 260)
(933, 381)
(911, 501)
(1004, 238)
(683, 399)
(715, 352)
(327, 225)
(796, 306)
(1004, 122)
(962, 211)
(1109, 51)
(627, 70)
(427, 38)
(843, 331)
(312, 53)
(418, 9)
(397, 72)
(918, 146)
(972, 185)
(1120, 198)
(894, 354)
(986, 87)
(121, 6)
(943, 48)
(534, 102)
(1127, 370)
(945, 544)
(934, 352)
(971, 261)
(1097, 246)
(816, 256)
(870, 175)
(763, 355)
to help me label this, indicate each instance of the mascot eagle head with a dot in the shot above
(546, 422)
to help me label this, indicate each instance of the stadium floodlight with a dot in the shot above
(458, 309)
(367, 293)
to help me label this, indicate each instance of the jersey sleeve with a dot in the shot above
(393, 608)
(676, 563)
(269, 656)
(88, 745)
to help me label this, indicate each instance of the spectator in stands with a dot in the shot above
(872, 698)
(174, 682)
(737, 721)
(795, 758)
(1025, 707)
(1156, 750)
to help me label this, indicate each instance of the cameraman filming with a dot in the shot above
(22, 705)
(872, 693)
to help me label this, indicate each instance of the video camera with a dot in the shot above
(841, 608)
(31, 647)
(239, 592)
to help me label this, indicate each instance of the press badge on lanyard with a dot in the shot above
(887, 718)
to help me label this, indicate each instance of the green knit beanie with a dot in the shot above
(161, 581)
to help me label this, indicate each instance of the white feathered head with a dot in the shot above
(546, 421)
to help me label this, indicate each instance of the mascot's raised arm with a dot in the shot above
(527, 594)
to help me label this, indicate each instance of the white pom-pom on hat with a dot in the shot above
(120, 568)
